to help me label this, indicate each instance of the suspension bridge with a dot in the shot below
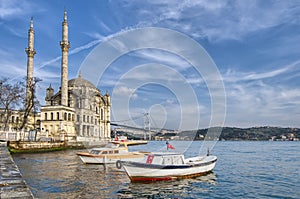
(137, 130)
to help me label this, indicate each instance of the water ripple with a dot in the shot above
(243, 170)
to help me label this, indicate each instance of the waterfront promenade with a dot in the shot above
(12, 184)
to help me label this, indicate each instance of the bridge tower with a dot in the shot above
(147, 125)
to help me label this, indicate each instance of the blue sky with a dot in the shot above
(254, 45)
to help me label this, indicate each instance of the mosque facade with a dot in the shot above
(78, 111)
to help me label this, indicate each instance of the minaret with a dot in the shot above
(30, 54)
(65, 45)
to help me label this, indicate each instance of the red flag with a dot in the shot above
(170, 146)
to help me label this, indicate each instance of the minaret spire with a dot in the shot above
(65, 15)
(65, 45)
(30, 51)
(31, 23)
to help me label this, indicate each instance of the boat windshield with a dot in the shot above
(115, 145)
(95, 152)
(111, 145)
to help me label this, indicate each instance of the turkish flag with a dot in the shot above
(170, 146)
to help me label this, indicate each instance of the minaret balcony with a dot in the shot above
(30, 52)
(65, 45)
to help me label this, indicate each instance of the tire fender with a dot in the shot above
(119, 164)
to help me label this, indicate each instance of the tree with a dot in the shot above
(11, 95)
(31, 103)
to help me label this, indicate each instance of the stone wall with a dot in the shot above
(12, 184)
(19, 145)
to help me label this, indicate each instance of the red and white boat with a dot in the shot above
(167, 166)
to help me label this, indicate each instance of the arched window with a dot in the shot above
(78, 103)
(12, 119)
(73, 117)
(46, 116)
(96, 109)
(51, 116)
(102, 114)
(66, 116)
(69, 117)
(57, 115)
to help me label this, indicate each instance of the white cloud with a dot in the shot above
(217, 20)
(15, 8)
(13, 71)
(170, 101)
(95, 35)
(236, 76)
(84, 47)
(124, 91)
(257, 102)
(104, 26)
(163, 57)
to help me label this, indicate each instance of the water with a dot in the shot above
(243, 170)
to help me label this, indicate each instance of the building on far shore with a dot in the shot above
(78, 111)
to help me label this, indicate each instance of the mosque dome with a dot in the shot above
(80, 82)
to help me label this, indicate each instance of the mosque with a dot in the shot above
(78, 111)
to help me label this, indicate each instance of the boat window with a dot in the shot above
(167, 160)
(110, 152)
(94, 152)
(116, 151)
(122, 145)
(104, 152)
(177, 160)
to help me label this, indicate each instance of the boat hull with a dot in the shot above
(150, 172)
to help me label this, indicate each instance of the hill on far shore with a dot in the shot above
(253, 133)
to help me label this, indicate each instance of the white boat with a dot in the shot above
(117, 150)
(167, 166)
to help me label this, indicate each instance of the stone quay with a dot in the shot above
(12, 185)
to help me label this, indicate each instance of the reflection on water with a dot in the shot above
(243, 170)
(61, 174)
(182, 188)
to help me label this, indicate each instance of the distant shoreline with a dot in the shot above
(264, 133)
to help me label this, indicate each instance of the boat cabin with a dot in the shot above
(103, 151)
(164, 158)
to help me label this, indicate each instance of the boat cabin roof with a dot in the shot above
(129, 142)
(165, 154)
